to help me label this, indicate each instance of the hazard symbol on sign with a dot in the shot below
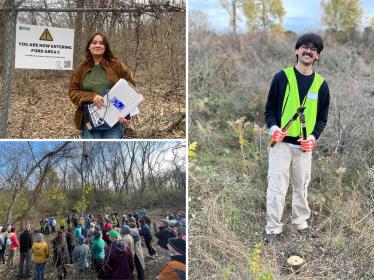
(46, 36)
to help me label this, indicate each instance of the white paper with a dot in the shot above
(121, 100)
(134, 112)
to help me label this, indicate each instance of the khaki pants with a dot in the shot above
(287, 162)
(11, 254)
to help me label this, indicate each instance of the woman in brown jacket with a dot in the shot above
(98, 72)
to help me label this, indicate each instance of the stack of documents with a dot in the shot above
(121, 100)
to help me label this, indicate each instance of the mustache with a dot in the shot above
(308, 54)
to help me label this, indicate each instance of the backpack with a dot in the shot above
(8, 242)
(2, 242)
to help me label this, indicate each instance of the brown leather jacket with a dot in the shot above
(114, 71)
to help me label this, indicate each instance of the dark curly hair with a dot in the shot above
(310, 38)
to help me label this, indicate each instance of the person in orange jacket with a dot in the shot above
(175, 268)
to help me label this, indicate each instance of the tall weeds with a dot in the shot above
(229, 78)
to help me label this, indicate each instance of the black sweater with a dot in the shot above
(25, 241)
(276, 95)
(163, 236)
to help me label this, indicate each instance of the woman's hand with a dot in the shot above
(122, 120)
(98, 101)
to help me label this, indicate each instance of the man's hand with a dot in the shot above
(277, 134)
(98, 101)
(307, 145)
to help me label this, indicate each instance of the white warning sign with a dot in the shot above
(41, 47)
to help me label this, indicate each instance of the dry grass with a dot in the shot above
(229, 80)
(154, 50)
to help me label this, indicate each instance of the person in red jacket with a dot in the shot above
(12, 247)
(107, 228)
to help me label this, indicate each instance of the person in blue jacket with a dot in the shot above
(145, 231)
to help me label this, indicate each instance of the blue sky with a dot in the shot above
(299, 17)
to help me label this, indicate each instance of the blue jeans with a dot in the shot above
(25, 263)
(39, 271)
(116, 132)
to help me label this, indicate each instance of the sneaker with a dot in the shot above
(270, 237)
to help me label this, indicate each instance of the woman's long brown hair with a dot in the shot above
(108, 56)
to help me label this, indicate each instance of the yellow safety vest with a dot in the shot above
(291, 102)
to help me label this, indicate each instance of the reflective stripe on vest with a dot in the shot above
(291, 102)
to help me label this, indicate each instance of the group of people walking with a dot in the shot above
(98, 246)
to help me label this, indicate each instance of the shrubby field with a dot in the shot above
(229, 79)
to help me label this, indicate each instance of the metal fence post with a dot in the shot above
(8, 65)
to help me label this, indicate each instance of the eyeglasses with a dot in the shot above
(312, 48)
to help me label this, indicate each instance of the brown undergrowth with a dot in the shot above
(229, 79)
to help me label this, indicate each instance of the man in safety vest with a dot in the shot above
(291, 156)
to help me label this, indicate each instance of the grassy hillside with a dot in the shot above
(229, 78)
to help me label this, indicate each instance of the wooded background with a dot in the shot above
(52, 178)
(151, 44)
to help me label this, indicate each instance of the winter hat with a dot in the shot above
(81, 239)
(165, 222)
(178, 245)
(39, 237)
(135, 235)
(125, 229)
(114, 234)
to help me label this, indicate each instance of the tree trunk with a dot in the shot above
(78, 34)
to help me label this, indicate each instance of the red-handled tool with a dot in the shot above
(299, 113)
